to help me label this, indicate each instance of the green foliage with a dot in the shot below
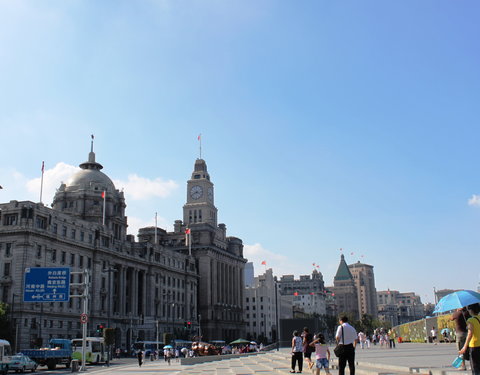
(167, 338)
(109, 336)
(6, 326)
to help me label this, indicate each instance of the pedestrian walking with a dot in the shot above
(433, 334)
(347, 336)
(307, 349)
(140, 357)
(472, 343)
(297, 351)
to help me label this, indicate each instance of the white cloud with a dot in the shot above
(281, 264)
(52, 179)
(474, 200)
(141, 188)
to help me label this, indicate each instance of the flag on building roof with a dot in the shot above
(264, 263)
(187, 231)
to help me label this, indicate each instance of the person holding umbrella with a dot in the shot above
(460, 317)
(472, 343)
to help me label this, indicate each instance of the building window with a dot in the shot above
(54, 255)
(72, 259)
(54, 228)
(39, 251)
(63, 258)
(6, 269)
(80, 261)
(10, 219)
(64, 231)
(73, 233)
(41, 222)
(8, 249)
(82, 236)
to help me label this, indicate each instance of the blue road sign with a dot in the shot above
(44, 284)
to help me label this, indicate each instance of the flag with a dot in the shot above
(318, 266)
(264, 263)
(312, 293)
(43, 166)
(313, 264)
(103, 194)
(199, 137)
(187, 231)
(352, 253)
(295, 293)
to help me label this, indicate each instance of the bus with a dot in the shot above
(95, 350)
(5, 356)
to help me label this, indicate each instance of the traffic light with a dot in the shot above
(100, 328)
(185, 325)
(189, 325)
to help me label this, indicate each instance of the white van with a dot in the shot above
(5, 356)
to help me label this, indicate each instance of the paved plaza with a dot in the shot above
(406, 358)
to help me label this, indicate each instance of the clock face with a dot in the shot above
(210, 194)
(196, 192)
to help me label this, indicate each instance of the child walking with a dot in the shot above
(322, 354)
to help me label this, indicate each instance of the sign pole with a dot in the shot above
(85, 296)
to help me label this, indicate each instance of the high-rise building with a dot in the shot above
(261, 304)
(366, 291)
(345, 290)
(249, 274)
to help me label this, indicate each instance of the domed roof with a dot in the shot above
(90, 179)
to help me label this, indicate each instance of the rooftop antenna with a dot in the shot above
(91, 148)
(200, 143)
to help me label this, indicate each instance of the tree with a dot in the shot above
(109, 337)
(6, 326)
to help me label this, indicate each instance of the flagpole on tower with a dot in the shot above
(41, 182)
(200, 140)
(104, 196)
(155, 228)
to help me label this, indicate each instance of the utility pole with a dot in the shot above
(85, 296)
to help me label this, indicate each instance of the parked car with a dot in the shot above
(22, 363)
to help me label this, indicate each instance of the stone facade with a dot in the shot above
(308, 292)
(135, 286)
(344, 288)
(366, 291)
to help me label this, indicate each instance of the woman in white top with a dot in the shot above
(297, 352)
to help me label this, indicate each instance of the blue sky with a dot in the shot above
(325, 125)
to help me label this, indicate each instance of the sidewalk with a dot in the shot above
(406, 358)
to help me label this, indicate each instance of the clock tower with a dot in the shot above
(200, 206)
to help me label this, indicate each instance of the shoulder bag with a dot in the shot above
(339, 350)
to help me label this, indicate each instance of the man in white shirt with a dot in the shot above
(346, 335)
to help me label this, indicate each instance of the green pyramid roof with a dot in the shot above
(343, 272)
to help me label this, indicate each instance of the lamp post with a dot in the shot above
(14, 321)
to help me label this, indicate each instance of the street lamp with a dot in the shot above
(14, 321)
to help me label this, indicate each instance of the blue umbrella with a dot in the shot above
(168, 347)
(457, 300)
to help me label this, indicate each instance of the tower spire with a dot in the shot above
(91, 148)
